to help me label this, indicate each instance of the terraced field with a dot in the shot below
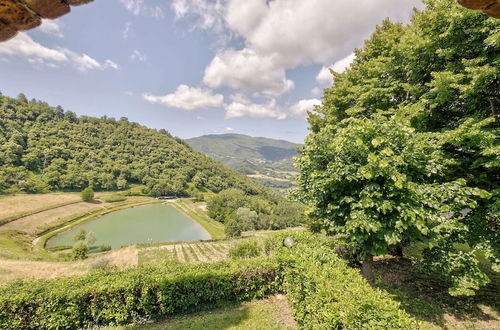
(188, 252)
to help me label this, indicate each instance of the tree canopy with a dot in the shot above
(404, 149)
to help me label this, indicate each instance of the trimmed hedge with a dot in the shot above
(133, 295)
(325, 293)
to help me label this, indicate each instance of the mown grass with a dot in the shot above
(193, 210)
(271, 313)
(425, 296)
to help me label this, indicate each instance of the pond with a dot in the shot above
(143, 224)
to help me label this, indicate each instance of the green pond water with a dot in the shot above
(143, 224)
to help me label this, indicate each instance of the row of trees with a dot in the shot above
(45, 148)
(242, 212)
(403, 152)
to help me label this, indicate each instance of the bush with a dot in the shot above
(245, 250)
(327, 294)
(115, 198)
(80, 250)
(133, 295)
(105, 247)
(87, 194)
(233, 229)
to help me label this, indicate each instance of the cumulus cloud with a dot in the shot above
(246, 71)
(138, 7)
(138, 56)
(37, 54)
(188, 98)
(300, 108)
(51, 28)
(243, 107)
(324, 75)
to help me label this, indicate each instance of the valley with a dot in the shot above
(268, 161)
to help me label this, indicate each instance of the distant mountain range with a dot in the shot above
(268, 161)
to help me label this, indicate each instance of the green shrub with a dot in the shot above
(245, 250)
(233, 229)
(80, 250)
(105, 247)
(327, 294)
(101, 264)
(133, 295)
(87, 194)
(115, 198)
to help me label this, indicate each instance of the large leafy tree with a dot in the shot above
(403, 149)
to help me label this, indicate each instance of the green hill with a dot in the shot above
(268, 161)
(44, 148)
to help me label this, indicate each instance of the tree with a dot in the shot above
(372, 181)
(80, 235)
(441, 81)
(233, 229)
(247, 218)
(22, 98)
(87, 194)
(80, 250)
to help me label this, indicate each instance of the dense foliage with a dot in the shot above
(404, 148)
(134, 295)
(244, 212)
(44, 148)
(325, 293)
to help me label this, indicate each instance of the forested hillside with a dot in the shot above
(268, 161)
(44, 148)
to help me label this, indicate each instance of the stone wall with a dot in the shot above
(21, 15)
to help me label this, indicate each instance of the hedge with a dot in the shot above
(133, 295)
(325, 293)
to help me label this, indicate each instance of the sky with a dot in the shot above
(195, 67)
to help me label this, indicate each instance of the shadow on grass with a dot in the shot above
(221, 318)
(425, 296)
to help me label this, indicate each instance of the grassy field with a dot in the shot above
(270, 313)
(197, 212)
(16, 206)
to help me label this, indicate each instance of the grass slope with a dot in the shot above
(268, 161)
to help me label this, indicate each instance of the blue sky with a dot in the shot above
(194, 67)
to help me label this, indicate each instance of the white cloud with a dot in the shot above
(300, 108)
(324, 75)
(52, 28)
(37, 54)
(188, 98)
(248, 72)
(229, 129)
(138, 7)
(138, 56)
(23, 45)
(315, 91)
(127, 30)
(243, 107)
(206, 15)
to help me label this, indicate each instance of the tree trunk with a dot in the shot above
(367, 269)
